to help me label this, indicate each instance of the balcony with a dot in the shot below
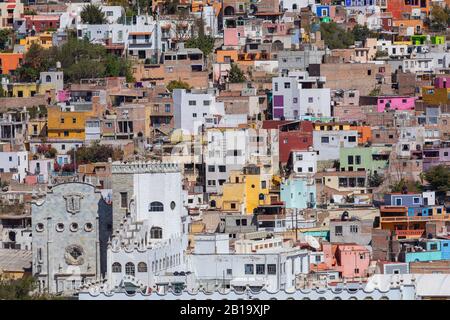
(416, 218)
(409, 234)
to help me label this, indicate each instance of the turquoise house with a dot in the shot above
(297, 192)
(435, 250)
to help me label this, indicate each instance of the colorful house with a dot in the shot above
(298, 192)
(10, 62)
(66, 125)
(395, 103)
(244, 191)
(373, 159)
(351, 260)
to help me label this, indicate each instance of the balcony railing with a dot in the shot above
(409, 233)
(416, 218)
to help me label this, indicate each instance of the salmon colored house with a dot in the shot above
(350, 260)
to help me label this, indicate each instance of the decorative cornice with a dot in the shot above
(144, 167)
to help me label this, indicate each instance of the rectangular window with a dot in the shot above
(249, 269)
(263, 185)
(310, 100)
(325, 139)
(398, 201)
(352, 139)
(416, 200)
(222, 169)
(338, 230)
(276, 86)
(271, 269)
(74, 120)
(167, 108)
(192, 103)
(123, 200)
(358, 159)
(260, 269)
(294, 100)
(211, 169)
(206, 102)
(62, 120)
(350, 159)
(287, 85)
(354, 229)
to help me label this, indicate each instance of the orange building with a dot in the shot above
(364, 133)
(227, 56)
(10, 62)
(398, 7)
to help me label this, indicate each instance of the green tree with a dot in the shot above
(96, 153)
(177, 84)
(92, 14)
(375, 180)
(236, 75)
(439, 18)
(336, 37)
(5, 35)
(204, 43)
(360, 33)
(439, 178)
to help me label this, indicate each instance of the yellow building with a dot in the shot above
(435, 96)
(66, 124)
(37, 127)
(43, 39)
(244, 191)
(331, 126)
(26, 90)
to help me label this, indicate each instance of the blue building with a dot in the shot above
(359, 3)
(432, 250)
(297, 192)
(403, 199)
(323, 11)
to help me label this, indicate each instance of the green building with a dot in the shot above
(418, 40)
(370, 159)
(438, 39)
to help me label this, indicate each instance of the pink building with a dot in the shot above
(442, 82)
(395, 103)
(63, 95)
(351, 260)
(230, 37)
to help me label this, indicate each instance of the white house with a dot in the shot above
(193, 110)
(328, 143)
(15, 162)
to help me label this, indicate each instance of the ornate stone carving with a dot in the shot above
(74, 255)
(73, 202)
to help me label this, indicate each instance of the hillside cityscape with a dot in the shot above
(225, 150)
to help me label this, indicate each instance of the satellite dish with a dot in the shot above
(312, 242)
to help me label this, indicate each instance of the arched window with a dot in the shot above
(142, 267)
(156, 233)
(130, 269)
(48, 79)
(156, 206)
(294, 7)
(160, 264)
(153, 266)
(213, 203)
(116, 267)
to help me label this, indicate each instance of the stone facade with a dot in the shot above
(71, 228)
